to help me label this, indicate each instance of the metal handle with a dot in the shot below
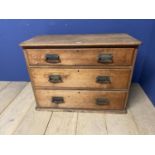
(102, 101)
(57, 99)
(52, 58)
(55, 79)
(103, 79)
(105, 58)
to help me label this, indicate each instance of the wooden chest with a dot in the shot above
(81, 72)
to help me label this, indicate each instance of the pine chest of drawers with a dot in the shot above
(81, 72)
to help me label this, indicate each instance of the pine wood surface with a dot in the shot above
(81, 78)
(82, 40)
(81, 56)
(81, 99)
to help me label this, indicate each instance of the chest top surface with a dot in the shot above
(81, 40)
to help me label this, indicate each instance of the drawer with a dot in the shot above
(83, 56)
(73, 99)
(81, 78)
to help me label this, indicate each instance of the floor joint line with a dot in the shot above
(48, 123)
(76, 123)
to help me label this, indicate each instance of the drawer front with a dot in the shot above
(74, 99)
(87, 56)
(81, 78)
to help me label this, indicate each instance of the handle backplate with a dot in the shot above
(105, 58)
(55, 79)
(52, 58)
(57, 99)
(102, 101)
(103, 79)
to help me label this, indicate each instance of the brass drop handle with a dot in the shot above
(103, 79)
(52, 58)
(55, 79)
(105, 58)
(57, 99)
(102, 101)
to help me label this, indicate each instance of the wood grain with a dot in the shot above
(81, 99)
(81, 78)
(9, 93)
(62, 123)
(84, 56)
(13, 115)
(82, 40)
(91, 124)
(34, 122)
